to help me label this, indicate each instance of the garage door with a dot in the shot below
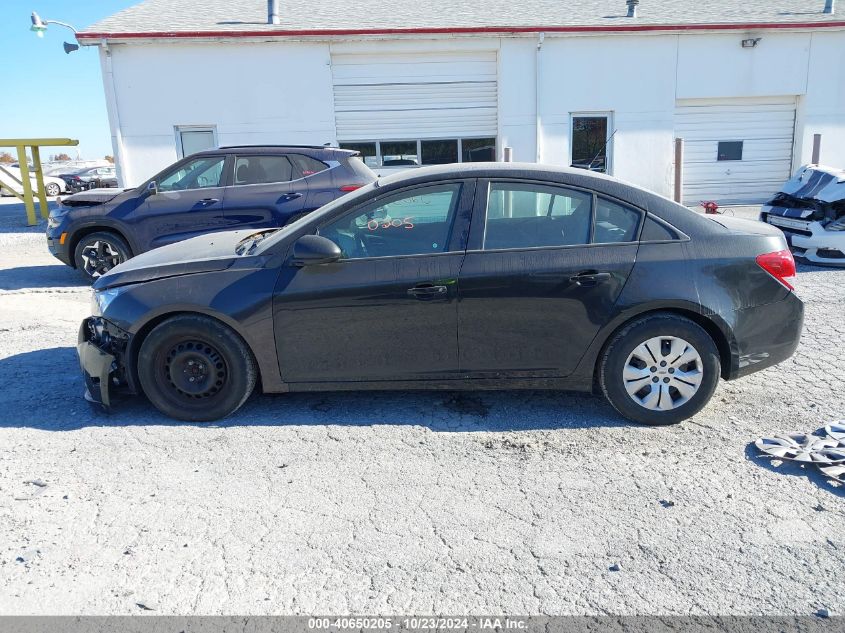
(415, 96)
(735, 151)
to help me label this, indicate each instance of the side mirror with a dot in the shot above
(152, 188)
(314, 249)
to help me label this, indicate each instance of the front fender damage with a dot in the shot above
(102, 352)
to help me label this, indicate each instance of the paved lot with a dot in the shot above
(403, 502)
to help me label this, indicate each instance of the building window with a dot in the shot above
(590, 142)
(191, 139)
(400, 154)
(729, 150)
(439, 152)
(424, 152)
(368, 151)
(478, 150)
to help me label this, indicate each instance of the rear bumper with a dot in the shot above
(765, 335)
(101, 349)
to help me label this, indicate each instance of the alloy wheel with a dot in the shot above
(100, 257)
(663, 373)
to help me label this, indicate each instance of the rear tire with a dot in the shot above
(52, 189)
(196, 369)
(660, 369)
(97, 253)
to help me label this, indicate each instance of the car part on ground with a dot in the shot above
(826, 452)
(836, 430)
(493, 276)
(810, 210)
(803, 448)
(229, 188)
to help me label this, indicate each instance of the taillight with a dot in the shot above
(780, 265)
(350, 187)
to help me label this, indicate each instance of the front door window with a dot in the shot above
(415, 222)
(199, 173)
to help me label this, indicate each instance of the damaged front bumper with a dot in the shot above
(810, 239)
(102, 350)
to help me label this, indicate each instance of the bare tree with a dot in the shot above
(6, 157)
(109, 158)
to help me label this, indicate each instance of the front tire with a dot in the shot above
(196, 369)
(660, 369)
(97, 253)
(52, 189)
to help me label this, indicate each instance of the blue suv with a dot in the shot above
(229, 188)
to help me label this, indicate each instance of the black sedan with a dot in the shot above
(90, 178)
(472, 276)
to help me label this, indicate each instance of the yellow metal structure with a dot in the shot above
(35, 145)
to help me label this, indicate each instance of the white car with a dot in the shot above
(810, 210)
(11, 177)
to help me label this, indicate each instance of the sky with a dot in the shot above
(45, 92)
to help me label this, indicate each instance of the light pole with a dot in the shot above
(39, 26)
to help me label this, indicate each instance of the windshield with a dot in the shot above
(325, 210)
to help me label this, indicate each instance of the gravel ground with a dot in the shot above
(531, 503)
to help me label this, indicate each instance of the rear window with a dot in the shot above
(305, 166)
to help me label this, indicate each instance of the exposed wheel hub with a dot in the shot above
(195, 369)
(663, 373)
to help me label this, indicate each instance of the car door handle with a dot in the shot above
(290, 196)
(427, 291)
(207, 201)
(590, 278)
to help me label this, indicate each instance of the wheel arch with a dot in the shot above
(713, 325)
(77, 235)
(150, 324)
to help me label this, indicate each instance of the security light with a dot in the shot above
(38, 27)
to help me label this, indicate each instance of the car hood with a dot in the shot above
(206, 253)
(817, 182)
(92, 197)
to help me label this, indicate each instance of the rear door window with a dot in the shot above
(258, 170)
(528, 215)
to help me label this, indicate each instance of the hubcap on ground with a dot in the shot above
(99, 258)
(195, 369)
(663, 373)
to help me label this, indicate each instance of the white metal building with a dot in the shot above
(747, 85)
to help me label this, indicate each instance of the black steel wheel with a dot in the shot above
(194, 368)
(97, 253)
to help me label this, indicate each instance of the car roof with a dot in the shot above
(674, 213)
(321, 150)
